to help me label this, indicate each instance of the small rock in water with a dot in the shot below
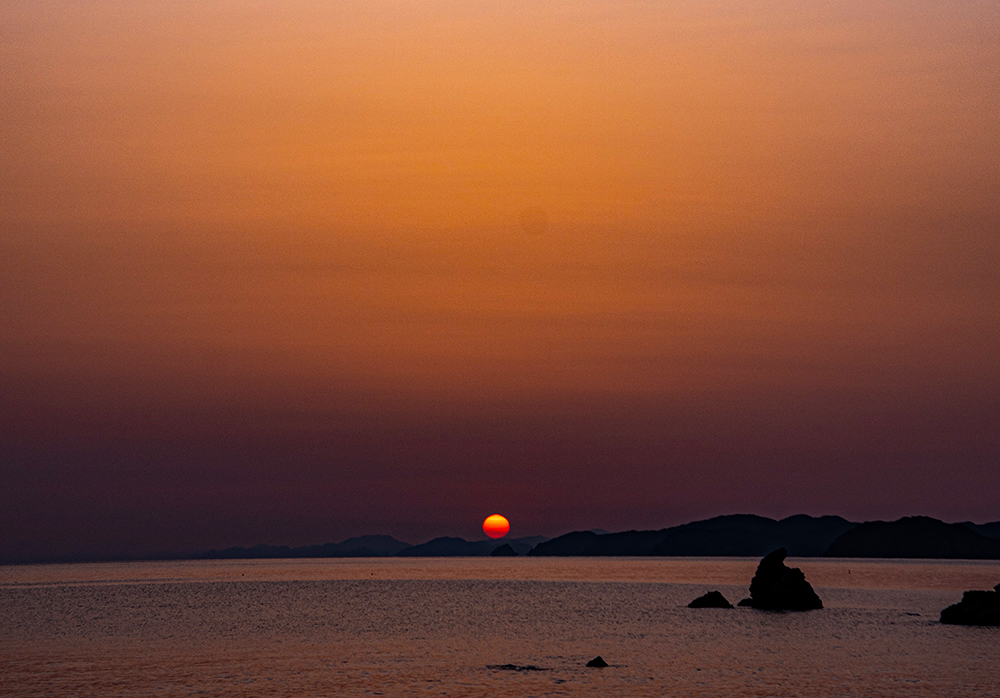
(975, 608)
(776, 587)
(597, 661)
(713, 599)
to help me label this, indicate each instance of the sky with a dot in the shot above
(292, 272)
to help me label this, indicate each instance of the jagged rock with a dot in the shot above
(776, 587)
(713, 599)
(975, 608)
(503, 551)
(598, 662)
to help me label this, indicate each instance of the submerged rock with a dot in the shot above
(975, 608)
(598, 662)
(713, 599)
(776, 587)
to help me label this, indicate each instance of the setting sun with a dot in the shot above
(496, 526)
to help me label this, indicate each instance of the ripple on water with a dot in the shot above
(278, 635)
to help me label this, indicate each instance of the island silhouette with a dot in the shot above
(731, 535)
(737, 535)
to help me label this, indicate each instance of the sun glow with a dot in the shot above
(496, 526)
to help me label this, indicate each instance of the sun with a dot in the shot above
(496, 526)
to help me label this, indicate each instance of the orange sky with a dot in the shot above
(317, 205)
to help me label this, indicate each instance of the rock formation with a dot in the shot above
(712, 599)
(975, 608)
(776, 587)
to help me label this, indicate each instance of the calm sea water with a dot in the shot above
(431, 627)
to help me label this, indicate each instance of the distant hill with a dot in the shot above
(738, 535)
(449, 547)
(747, 535)
(361, 546)
(522, 546)
(459, 547)
(377, 546)
(990, 530)
(915, 537)
(575, 543)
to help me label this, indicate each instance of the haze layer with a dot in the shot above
(292, 272)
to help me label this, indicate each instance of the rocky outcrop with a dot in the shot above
(776, 587)
(975, 608)
(713, 599)
(503, 551)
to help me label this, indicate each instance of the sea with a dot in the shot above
(486, 627)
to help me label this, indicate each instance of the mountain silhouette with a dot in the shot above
(738, 535)
(744, 535)
(360, 546)
(990, 530)
(503, 551)
(915, 537)
(575, 543)
(459, 547)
